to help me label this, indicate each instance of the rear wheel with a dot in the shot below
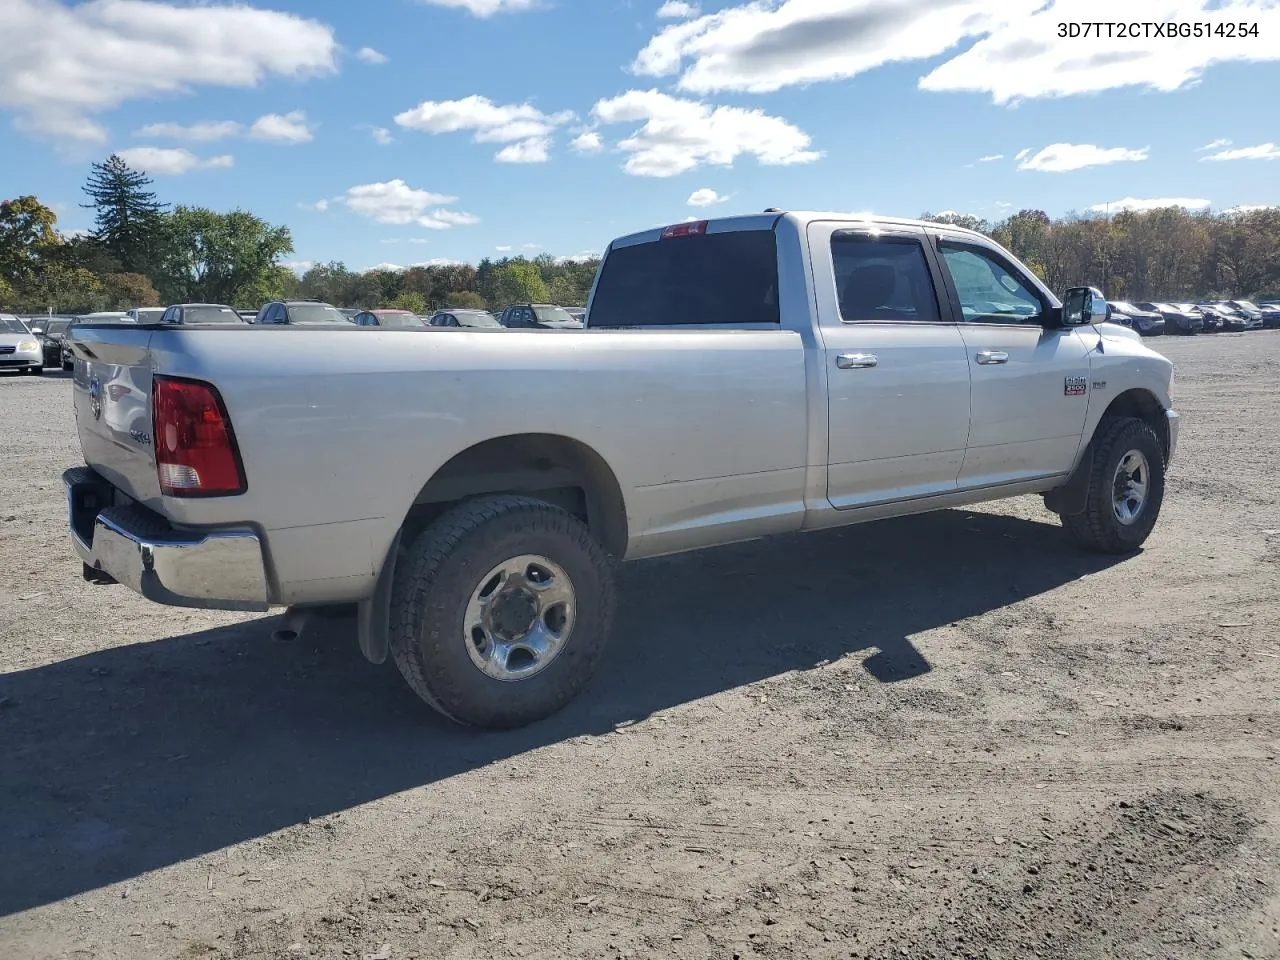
(500, 611)
(1125, 491)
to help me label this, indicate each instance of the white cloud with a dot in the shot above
(677, 10)
(1250, 208)
(1263, 151)
(1022, 154)
(196, 132)
(1214, 145)
(282, 128)
(60, 65)
(765, 45)
(533, 150)
(486, 8)
(679, 135)
(298, 266)
(381, 136)
(1062, 157)
(991, 156)
(504, 248)
(433, 262)
(370, 55)
(491, 123)
(1152, 203)
(705, 197)
(588, 142)
(395, 202)
(170, 161)
(320, 206)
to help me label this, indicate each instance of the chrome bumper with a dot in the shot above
(208, 569)
(1174, 420)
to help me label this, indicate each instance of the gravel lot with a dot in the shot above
(952, 735)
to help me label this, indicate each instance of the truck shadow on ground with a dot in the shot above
(140, 756)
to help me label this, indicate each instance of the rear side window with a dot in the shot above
(882, 279)
(697, 279)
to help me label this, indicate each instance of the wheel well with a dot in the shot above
(550, 467)
(1143, 405)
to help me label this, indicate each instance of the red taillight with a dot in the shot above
(196, 453)
(693, 228)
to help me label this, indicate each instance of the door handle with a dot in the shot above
(992, 356)
(856, 361)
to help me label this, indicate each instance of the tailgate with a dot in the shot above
(112, 396)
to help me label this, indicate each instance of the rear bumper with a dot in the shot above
(220, 569)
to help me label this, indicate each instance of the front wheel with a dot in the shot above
(1126, 489)
(501, 610)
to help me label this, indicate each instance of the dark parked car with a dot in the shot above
(49, 330)
(1176, 320)
(197, 313)
(300, 313)
(533, 316)
(463, 318)
(1254, 312)
(1227, 318)
(1148, 323)
(391, 319)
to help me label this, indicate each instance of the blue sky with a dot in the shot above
(374, 130)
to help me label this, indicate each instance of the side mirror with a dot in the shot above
(1082, 305)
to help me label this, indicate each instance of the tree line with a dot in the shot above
(1165, 254)
(142, 252)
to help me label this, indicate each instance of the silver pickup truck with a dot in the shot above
(468, 490)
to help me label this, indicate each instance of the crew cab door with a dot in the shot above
(1030, 381)
(896, 369)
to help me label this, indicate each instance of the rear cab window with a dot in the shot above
(689, 277)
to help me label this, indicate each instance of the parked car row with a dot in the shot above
(1153, 318)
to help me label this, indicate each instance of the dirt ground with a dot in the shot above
(948, 736)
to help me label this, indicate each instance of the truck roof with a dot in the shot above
(766, 219)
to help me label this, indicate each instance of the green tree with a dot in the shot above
(27, 239)
(275, 283)
(467, 300)
(63, 289)
(123, 291)
(413, 302)
(127, 216)
(210, 256)
(518, 281)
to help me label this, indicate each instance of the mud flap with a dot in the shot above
(374, 613)
(1070, 498)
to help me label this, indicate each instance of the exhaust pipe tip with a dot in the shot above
(295, 622)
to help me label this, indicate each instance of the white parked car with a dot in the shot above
(739, 377)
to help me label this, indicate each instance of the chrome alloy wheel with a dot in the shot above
(1130, 486)
(519, 617)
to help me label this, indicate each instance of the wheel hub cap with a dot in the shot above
(519, 617)
(1130, 487)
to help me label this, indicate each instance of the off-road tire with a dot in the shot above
(435, 576)
(1097, 526)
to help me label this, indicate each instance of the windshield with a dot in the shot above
(402, 321)
(149, 314)
(552, 315)
(210, 314)
(1247, 304)
(55, 328)
(315, 313)
(12, 325)
(1124, 306)
(476, 318)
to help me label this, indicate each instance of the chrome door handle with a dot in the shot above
(992, 356)
(856, 361)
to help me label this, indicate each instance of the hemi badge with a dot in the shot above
(1075, 386)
